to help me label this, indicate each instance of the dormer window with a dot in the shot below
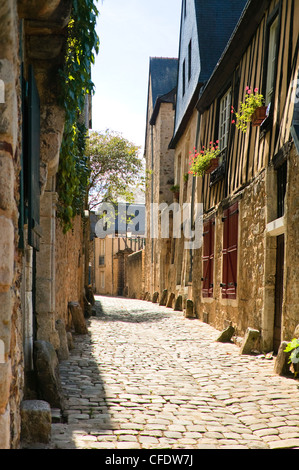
(224, 119)
(184, 77)
(185, 8)
(189, 60)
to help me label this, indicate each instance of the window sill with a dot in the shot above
(276, 227)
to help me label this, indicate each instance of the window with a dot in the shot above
(208, 257)
(230, 252)
(271, 60)
(224, 119)
(189, 60)
(281, 188)
(102, 252)
(184, 77)
(102, 280)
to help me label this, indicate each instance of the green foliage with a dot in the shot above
(200, 161)
(252, 101)
(175, 188)
(73, 174)
(115, 168)
(294, 347)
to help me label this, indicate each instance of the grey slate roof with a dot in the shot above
(163, 72)
(216, 20)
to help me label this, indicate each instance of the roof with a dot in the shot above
(215, 21)
(163, 73)
(231, 55)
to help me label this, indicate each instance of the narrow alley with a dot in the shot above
(145, 377)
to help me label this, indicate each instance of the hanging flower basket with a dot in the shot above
(253, 104)
(204, 161)
(213, 165)
(259, 116)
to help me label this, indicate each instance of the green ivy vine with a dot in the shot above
(73, 172)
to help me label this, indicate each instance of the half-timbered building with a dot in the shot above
(246, 273)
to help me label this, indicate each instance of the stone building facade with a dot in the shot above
(159, 162)
(32, 49)
(245, 273)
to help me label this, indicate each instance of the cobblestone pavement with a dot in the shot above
(147, 378)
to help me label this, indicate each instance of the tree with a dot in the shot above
(116, 169)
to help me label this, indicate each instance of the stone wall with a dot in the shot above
(69, 269)
(290, 318)
(11, 362)
(247, 309)
(159, 160)
(135, 275)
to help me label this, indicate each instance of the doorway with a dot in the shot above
(278, 292)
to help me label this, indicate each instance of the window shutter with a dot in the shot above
(224, 254)
(32, 149)
(208, 258)
(230, 252)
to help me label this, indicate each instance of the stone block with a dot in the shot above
(70, 341)
(178, 305)
(250, 341)
(226, 335)
(35, 421)
(281, 364)
(6, 253)
(155, 297)
(163, 298)
(170, 300)
(78, 318)
(63, 351)
(189, 313)
(47, 374)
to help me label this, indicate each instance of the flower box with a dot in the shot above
(259, 116)
(213, 165)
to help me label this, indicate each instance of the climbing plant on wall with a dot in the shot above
(73, 173)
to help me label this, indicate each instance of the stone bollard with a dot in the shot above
(249, 341)
(63, 351)
(189, 313)
(281, 365)
(35, 422)
(78, 318)
(47, 374)
(155, 297)
(170, 300)
(178, 303)
(226, 335)
(70, 341)
(163, 298)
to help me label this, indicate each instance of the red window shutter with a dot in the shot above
(208, 258)
(224, 254)
(230, 252)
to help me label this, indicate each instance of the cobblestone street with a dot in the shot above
(147, 378)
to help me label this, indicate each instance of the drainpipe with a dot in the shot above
(152, 200)
(193, 195)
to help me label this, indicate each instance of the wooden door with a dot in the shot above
(278, 292)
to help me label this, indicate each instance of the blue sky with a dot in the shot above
(130, 32)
